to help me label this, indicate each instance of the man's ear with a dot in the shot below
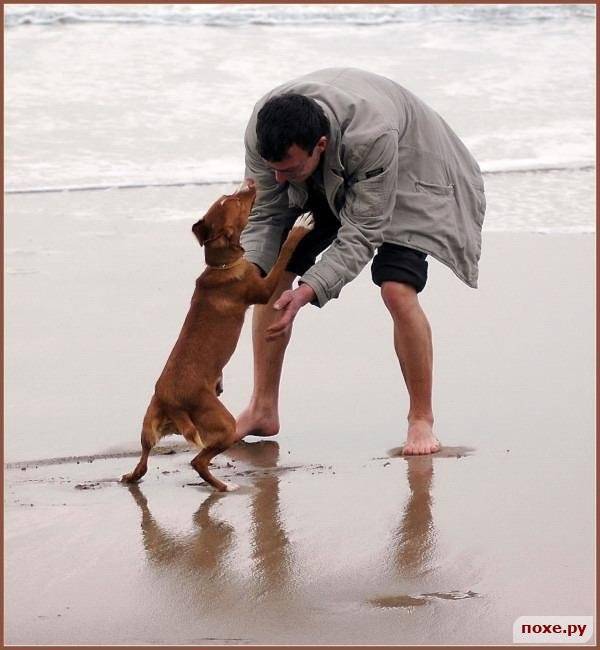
(200, 230)
(322, 143)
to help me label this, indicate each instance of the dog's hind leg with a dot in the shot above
(148, 441)
(218, 434)
(201, 462)
(150, 436)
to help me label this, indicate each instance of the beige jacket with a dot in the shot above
(394, 171)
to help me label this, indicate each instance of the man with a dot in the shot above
(384, 175)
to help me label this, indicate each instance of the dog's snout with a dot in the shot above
(246, 185)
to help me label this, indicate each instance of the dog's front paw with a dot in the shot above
(306, 221)
(231, 487)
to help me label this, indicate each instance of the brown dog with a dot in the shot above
(185, 398)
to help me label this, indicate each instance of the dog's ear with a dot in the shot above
(201, 231)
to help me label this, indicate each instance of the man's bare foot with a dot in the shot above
(420, 439)
(256, 422)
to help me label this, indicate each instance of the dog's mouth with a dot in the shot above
(247, 185)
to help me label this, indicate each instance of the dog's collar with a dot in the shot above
(222, 267)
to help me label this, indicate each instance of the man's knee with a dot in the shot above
(399, 297)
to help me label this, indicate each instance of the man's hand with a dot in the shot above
(290, 302)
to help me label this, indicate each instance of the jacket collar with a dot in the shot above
(333, 160)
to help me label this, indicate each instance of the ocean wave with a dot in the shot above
(534, 165)
(541, 230)
(294, 14)
(133, 185)
(225, 178)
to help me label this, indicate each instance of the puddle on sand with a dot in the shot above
(452, 595)
(404, 600)
(398, 601)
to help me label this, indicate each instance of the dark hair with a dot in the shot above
(289, 119)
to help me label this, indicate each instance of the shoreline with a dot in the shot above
(509, 167)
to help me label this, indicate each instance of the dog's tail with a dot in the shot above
(188, 429)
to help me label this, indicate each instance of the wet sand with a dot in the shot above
(448, 549)
(333, 538)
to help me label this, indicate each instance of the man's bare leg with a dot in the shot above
(413, 344)
(261, 416)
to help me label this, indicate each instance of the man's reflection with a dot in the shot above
(414, 538)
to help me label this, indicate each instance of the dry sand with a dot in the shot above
(333, 537)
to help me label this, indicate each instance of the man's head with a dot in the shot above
(293, 133)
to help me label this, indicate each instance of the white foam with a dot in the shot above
(125, 185)
(229, 174)
(534, 165)
(292, 14)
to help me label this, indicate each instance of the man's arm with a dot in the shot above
(365, 216)
(290, 302)
(368, 210)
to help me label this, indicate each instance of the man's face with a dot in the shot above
(298, 164)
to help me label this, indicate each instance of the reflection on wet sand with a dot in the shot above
(414, 539)
(271, 552)
(215, 576)
(204, 554)
(203, 550)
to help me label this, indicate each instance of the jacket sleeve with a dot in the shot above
(368, 209)
(270, 215)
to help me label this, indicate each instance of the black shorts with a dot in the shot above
(392, 262)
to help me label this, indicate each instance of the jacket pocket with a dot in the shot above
(432, 188)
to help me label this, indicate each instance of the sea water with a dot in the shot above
(101, 96)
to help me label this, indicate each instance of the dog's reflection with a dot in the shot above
(203, 549)
(206, 550)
